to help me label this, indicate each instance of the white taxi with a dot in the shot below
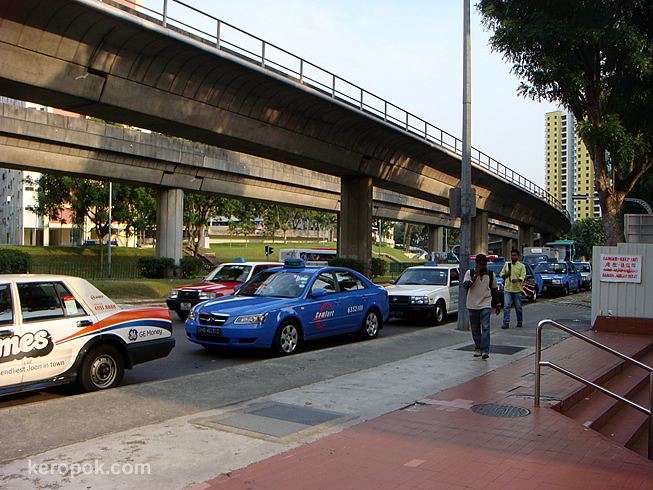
(427, 292)
(58, 329)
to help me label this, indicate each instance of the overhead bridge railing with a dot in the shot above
(539, 363)
(226, 37)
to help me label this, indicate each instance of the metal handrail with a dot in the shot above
(340, 89)
(539, 363)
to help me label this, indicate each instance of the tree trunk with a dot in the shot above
(613, 225)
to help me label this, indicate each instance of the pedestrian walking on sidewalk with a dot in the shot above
(482, 295)
(513, 275)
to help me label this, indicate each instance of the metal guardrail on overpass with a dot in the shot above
(272, 57)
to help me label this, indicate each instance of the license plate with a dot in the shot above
(185, 306)
(208, 330)
(397, 313)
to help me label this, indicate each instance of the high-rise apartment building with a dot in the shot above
(569, 170)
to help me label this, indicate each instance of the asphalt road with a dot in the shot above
(188, 358)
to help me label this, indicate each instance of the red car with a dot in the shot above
(220, 282)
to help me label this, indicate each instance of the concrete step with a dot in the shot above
(621, 423)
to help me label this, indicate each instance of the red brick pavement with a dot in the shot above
(440, 443)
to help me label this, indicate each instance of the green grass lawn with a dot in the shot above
(159, 288)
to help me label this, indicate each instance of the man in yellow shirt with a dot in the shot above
(513, 274)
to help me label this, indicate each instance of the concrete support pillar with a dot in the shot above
(170, 223)
(436, 239)
(506, 247)
(526, 237)
(479, 233)
(355, 240)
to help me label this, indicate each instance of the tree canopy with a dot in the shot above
(595, 58)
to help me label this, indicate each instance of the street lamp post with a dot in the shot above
(465, 171)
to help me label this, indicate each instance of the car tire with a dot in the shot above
(287, 338)
(589, 286)
(533, 298)
(565, 292)
(439, 313)
(182, 314)
(102, 367)
(371, 325)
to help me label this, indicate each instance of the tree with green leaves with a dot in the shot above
(198, 208)
(586, 232)
(595, 58)
(87, 199)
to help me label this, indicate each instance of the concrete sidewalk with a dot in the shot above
(403, 424)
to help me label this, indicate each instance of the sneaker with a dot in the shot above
(477, 353)
(505, 326)
(485, 356)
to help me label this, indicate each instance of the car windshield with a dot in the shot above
(551, 268)
(229, 273)
(495, 267)
(424, 276)
(583, 267)
(277, 284)
(533, 260)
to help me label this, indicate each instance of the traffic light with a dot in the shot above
(268, 250)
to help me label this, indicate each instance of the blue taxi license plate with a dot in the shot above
(208, 330)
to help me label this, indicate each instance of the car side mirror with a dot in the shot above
(392, 281)
(236, 288)
(318, 293)
(455, 283)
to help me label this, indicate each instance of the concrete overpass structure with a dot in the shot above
(51, 143)
(103, 59)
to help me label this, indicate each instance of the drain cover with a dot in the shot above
(276, 420)
(497, 410)
(495, 349)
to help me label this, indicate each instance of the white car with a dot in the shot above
(585, 269)
(58, 329)
(425, 292)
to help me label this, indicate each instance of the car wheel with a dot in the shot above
(577, 289)
(566, 291)
(371, 325)
(589, 285)
(182, 314)
(102, 367)
(286, 340)
(440, 313)
(533, 297)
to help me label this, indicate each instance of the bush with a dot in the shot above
(191, 267)
(155, 267)
(354, 264)
(378, 267)
(14, 261)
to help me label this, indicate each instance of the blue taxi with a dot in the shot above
(283, 307)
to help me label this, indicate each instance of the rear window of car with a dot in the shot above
(47, 300)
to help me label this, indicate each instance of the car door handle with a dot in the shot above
(84, 323)
(6, 332)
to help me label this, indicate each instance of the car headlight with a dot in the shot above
(191, 315)
(174, 293)
(419, 300)
(251, 318)
(204, 295)
(556, 281)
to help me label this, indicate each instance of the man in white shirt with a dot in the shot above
(482, 296)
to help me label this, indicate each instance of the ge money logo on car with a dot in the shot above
(133, 334)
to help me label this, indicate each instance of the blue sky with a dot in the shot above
(409, 53)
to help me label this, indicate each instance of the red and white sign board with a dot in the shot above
(621, 268)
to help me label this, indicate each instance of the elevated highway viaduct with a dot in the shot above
(106, 60)
(45, 142)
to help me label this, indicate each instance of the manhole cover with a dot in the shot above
(497, 410)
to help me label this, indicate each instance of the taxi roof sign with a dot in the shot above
(430, 263)
(239, 260)
(296, 263)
